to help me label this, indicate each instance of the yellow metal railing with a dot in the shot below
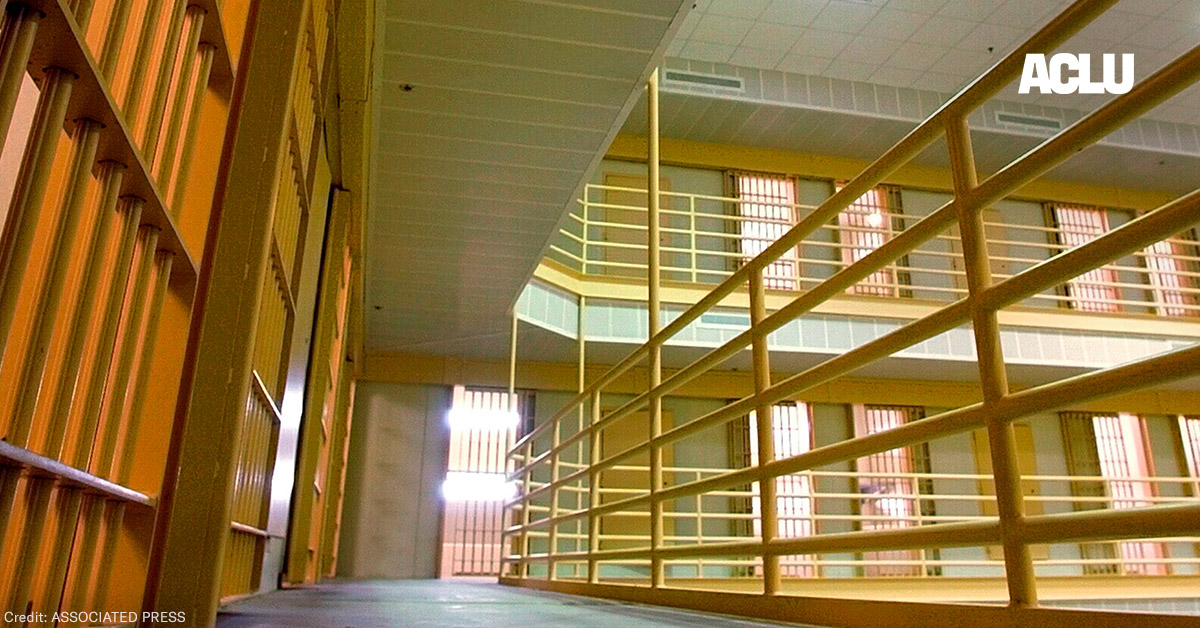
(708, 238)
(819, 510)
(539, 453)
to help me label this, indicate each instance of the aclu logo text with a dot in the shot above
(1052, 76)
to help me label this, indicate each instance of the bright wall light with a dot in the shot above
(479, 419)
(461, 486)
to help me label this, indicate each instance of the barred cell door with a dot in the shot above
(483, 426)
(889, 491)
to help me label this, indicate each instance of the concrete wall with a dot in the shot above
(392, 509)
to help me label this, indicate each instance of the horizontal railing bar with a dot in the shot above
(1133, 523)
(1172, 366)
(40, 465)
(1101, 525)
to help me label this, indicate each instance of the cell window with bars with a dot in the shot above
(767, 210)
(865, 225)
(890, 491)
(1171, 266)
(1113, 447)
(1095, 290)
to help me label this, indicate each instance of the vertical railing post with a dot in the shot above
(1018, 563)
(593, 492)
(583, 268)
(526, 502)
(657, 573)
(581, 417)
(552, 540)
(526, 453)
(769, 519)
(692, 235)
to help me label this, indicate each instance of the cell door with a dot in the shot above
(889, 489)
(628, 479)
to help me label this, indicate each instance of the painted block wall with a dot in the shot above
(392, 515)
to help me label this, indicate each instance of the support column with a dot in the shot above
(657, 573)
(763, 414)
(192, 527)
(512, 362)
(581, 419)
(594, 493)
(552, 537)
(1018, 563)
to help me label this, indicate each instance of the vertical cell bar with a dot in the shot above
(97, 378)
(64, 536)
(87, 546)
(112, 175)
(53, 284)
(182, 96)
(28, 200)
(83, 13)
(16, 242)
(763, 416)
(114, 517)
(37, 492)
(162, 83)
(20, 30)
(207, 52)
(114, 39)
(141, 59)
(657, 573)
(131, 325)
(162, 262)
(1018, 562)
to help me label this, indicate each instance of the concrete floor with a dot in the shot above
(439, 603)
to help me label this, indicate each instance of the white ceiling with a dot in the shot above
(848, 134)
(932, 44)
(511, 104)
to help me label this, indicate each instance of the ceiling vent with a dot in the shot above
(695, 79)
(1030, 122)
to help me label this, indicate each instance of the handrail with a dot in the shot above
(981, 302)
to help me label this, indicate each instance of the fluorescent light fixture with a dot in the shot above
(461, 486)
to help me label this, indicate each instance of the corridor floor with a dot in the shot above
(438, 603)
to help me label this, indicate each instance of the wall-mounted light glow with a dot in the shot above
(461, 418)
(461, 486)
(875, 220)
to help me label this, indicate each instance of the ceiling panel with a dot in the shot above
(856, 136)
(400, 144)
(490, 114)
(442, 125)
(933, 44)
